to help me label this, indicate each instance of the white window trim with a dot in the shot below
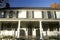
(37, 14)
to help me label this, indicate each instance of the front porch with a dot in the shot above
(30, 29)
(8, 29)
(51, 30)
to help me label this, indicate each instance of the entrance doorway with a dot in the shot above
(30, 26)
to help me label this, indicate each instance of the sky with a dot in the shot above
(32, 3)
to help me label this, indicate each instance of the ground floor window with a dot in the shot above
(9, 25)
(51, 26)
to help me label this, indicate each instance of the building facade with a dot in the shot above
(30, 22)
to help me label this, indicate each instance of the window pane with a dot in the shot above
(49, 14)
(22, 14)
(17, 14)
(52, 26)
(30, 14)
(11, 14)
(9, 25)
(1, 14)
(37, 14)
(55, 14)
(58, 14)
(44, 14)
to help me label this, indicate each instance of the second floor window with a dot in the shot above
(49, 14)
(22, 14)
(2, 14)
(44, 15)
(30, 14)
(9, 25)
(10, 14)
(57, 14)
(37, 14)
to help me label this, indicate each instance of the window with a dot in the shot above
(17, 14)
(52, 26)
(11, 14)
(5, 14)
(22, 14)
(49, 14)
(9, 25)
(57, 14)
(2, 15)
(44, 15)
(30, 14)
(37, 14)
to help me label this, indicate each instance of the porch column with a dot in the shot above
(18, 30)
(41, 30)
(26, 33)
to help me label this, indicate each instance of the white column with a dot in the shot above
(26, 33)
(41, 30)
(18, 30)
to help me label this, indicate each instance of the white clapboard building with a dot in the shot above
(29, 22)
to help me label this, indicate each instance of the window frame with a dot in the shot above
(30, 15)
(2, 15)
(21, 14)
(38, 15)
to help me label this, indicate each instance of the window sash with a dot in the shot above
(44, 15)
(22, 14)
(30, 14)
(58, 15)
(11, 14)
(2, 15)
(37, 14)
(49, 14)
